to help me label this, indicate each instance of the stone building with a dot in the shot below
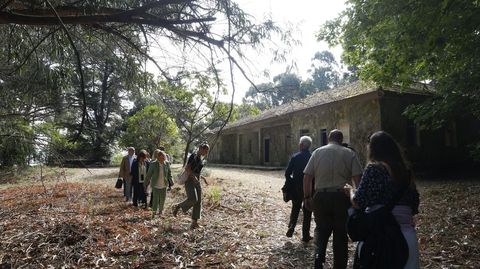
(358, 110)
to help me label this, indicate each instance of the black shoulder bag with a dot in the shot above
(384, 245)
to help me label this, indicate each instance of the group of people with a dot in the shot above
(330, 183)
(140, 173)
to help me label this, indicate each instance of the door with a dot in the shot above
(267, 150)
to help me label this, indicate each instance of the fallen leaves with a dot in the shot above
(87, 224)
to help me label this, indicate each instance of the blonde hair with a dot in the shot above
(155, 154)
(162, 152)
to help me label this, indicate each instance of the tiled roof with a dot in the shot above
(320, 98)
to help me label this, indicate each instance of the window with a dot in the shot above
(249, 145)
(267, 150)
(323, 137)
(304, 132)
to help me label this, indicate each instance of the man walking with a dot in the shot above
(332, 166)
(125, 168)
(294, 178)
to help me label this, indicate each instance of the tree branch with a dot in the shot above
(80, 71)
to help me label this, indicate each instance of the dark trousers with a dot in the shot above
(194, 198)
(330, 212)
(307, 217)
(139, 193)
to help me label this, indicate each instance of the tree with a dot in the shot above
(284, 88)
(244, 111)
(259, 96)
(196, 110)
(68, 43)
(149, 129)
(324, 74)
(409, 42)
(184, 26)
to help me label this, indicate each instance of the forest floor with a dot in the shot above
(74, 218)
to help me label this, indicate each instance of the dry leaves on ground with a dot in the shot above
(87, 224)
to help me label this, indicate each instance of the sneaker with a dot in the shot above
(290, 232)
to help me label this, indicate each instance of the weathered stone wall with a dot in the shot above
(228, 149)
(280, 143)
(357, 118)
(249, 151)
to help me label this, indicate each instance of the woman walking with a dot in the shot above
(160, 176)
(139, 172)
(387, 182)
(193, 187)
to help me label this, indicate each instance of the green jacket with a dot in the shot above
(154, 171)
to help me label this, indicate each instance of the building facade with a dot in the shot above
(358, 110)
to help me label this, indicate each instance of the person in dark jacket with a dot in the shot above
(139, 173)
(193, 188)
(294, 179)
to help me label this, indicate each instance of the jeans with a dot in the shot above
(127, 189)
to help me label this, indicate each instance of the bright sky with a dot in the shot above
(305, 16)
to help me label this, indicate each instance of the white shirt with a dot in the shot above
(130, 161)
(161, 178)
(333, 165)
(142, 170)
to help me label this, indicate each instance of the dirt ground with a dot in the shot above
(76, 219)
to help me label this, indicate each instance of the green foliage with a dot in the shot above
(244, 111)
(194, 103)
(16, 143)
(214, 195)
(324, 74)
(407, 42)
(287, 87)
(149, 129)
(41, 80)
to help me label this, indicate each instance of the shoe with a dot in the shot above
(175, 210)
(290, 232)
(307, 239)
(194, 226)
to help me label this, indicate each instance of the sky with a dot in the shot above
(307, 16)
(304, 16)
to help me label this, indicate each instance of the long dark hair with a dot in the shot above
(383, 148)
